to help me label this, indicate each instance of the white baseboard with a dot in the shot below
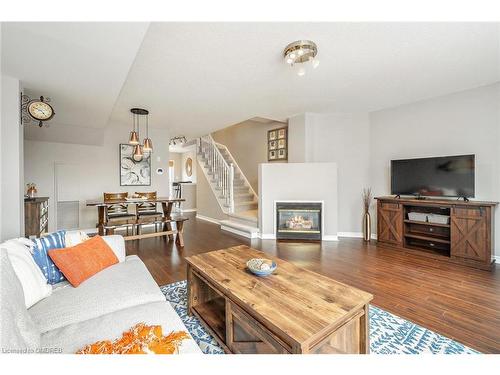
(497, 258)
(355, 235)
(350, 234)
(209, 219)
(330, 238)
(189, 210)
(239, 232)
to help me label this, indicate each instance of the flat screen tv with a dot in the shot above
(447, 176)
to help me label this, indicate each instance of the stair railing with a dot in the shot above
(222, 172)
(237, 167)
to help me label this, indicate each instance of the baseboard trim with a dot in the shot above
(330, 237)
(350, 234)
(239, 232)
(355, 235)
(189, 210)
(207, 218)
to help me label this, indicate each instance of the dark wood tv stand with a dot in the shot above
(467, 238)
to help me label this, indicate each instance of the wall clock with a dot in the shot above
(40, 110)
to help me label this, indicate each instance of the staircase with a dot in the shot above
(235, 195)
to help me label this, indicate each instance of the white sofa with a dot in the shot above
(101, 308)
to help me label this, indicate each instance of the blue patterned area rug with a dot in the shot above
(389, 334)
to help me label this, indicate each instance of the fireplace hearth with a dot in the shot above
(298, 221)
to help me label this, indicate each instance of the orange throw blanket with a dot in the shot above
(140, 339)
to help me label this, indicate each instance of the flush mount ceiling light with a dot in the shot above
(301, 53)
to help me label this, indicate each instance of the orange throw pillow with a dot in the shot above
(80, 262)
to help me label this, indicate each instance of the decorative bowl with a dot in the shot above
(261, 267)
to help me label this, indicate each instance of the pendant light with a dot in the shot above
(137, 155)
(148, 144)
(134, 137)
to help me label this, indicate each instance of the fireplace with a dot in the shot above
(298, 221)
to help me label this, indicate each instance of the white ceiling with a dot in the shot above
(199, 77)
(80, 66)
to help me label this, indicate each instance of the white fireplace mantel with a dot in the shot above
(298, 182)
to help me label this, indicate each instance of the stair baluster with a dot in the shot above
(222, 173)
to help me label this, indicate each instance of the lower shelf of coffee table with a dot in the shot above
(213, 314)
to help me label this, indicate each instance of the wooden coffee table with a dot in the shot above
(291, 311)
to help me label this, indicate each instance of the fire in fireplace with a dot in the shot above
(298, 221)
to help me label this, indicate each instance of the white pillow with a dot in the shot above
(75, 237)
(34, 284)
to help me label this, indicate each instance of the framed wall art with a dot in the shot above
(134, 172)
(277, 144)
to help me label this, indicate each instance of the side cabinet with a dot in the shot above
(390, 222)
(470, 233)
(36, 216)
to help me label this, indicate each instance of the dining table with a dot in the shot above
(167, 204)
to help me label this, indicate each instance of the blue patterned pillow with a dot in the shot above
(40, 255)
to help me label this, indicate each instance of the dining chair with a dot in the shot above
(118, 210)
(147, 209)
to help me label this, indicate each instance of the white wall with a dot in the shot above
(342, 138)
(176, 157)
(462, 123)
(11, 151)
(297, 138)
(98, 170)
(292, 181)
(345, 140)
(1, 122)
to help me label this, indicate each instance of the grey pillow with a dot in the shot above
(18, 331)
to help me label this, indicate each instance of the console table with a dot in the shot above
(294, 310)
(467, 238)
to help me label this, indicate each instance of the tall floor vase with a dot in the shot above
(367, 226)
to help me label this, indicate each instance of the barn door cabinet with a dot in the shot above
(466, 238)
(390, 222)
(471, 233)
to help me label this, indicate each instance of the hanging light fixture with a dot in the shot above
(138, 152)
(148, 144)
(302, 53)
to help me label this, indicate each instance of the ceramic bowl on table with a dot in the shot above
(261, 267)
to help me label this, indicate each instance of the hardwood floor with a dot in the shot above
(458, 302)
